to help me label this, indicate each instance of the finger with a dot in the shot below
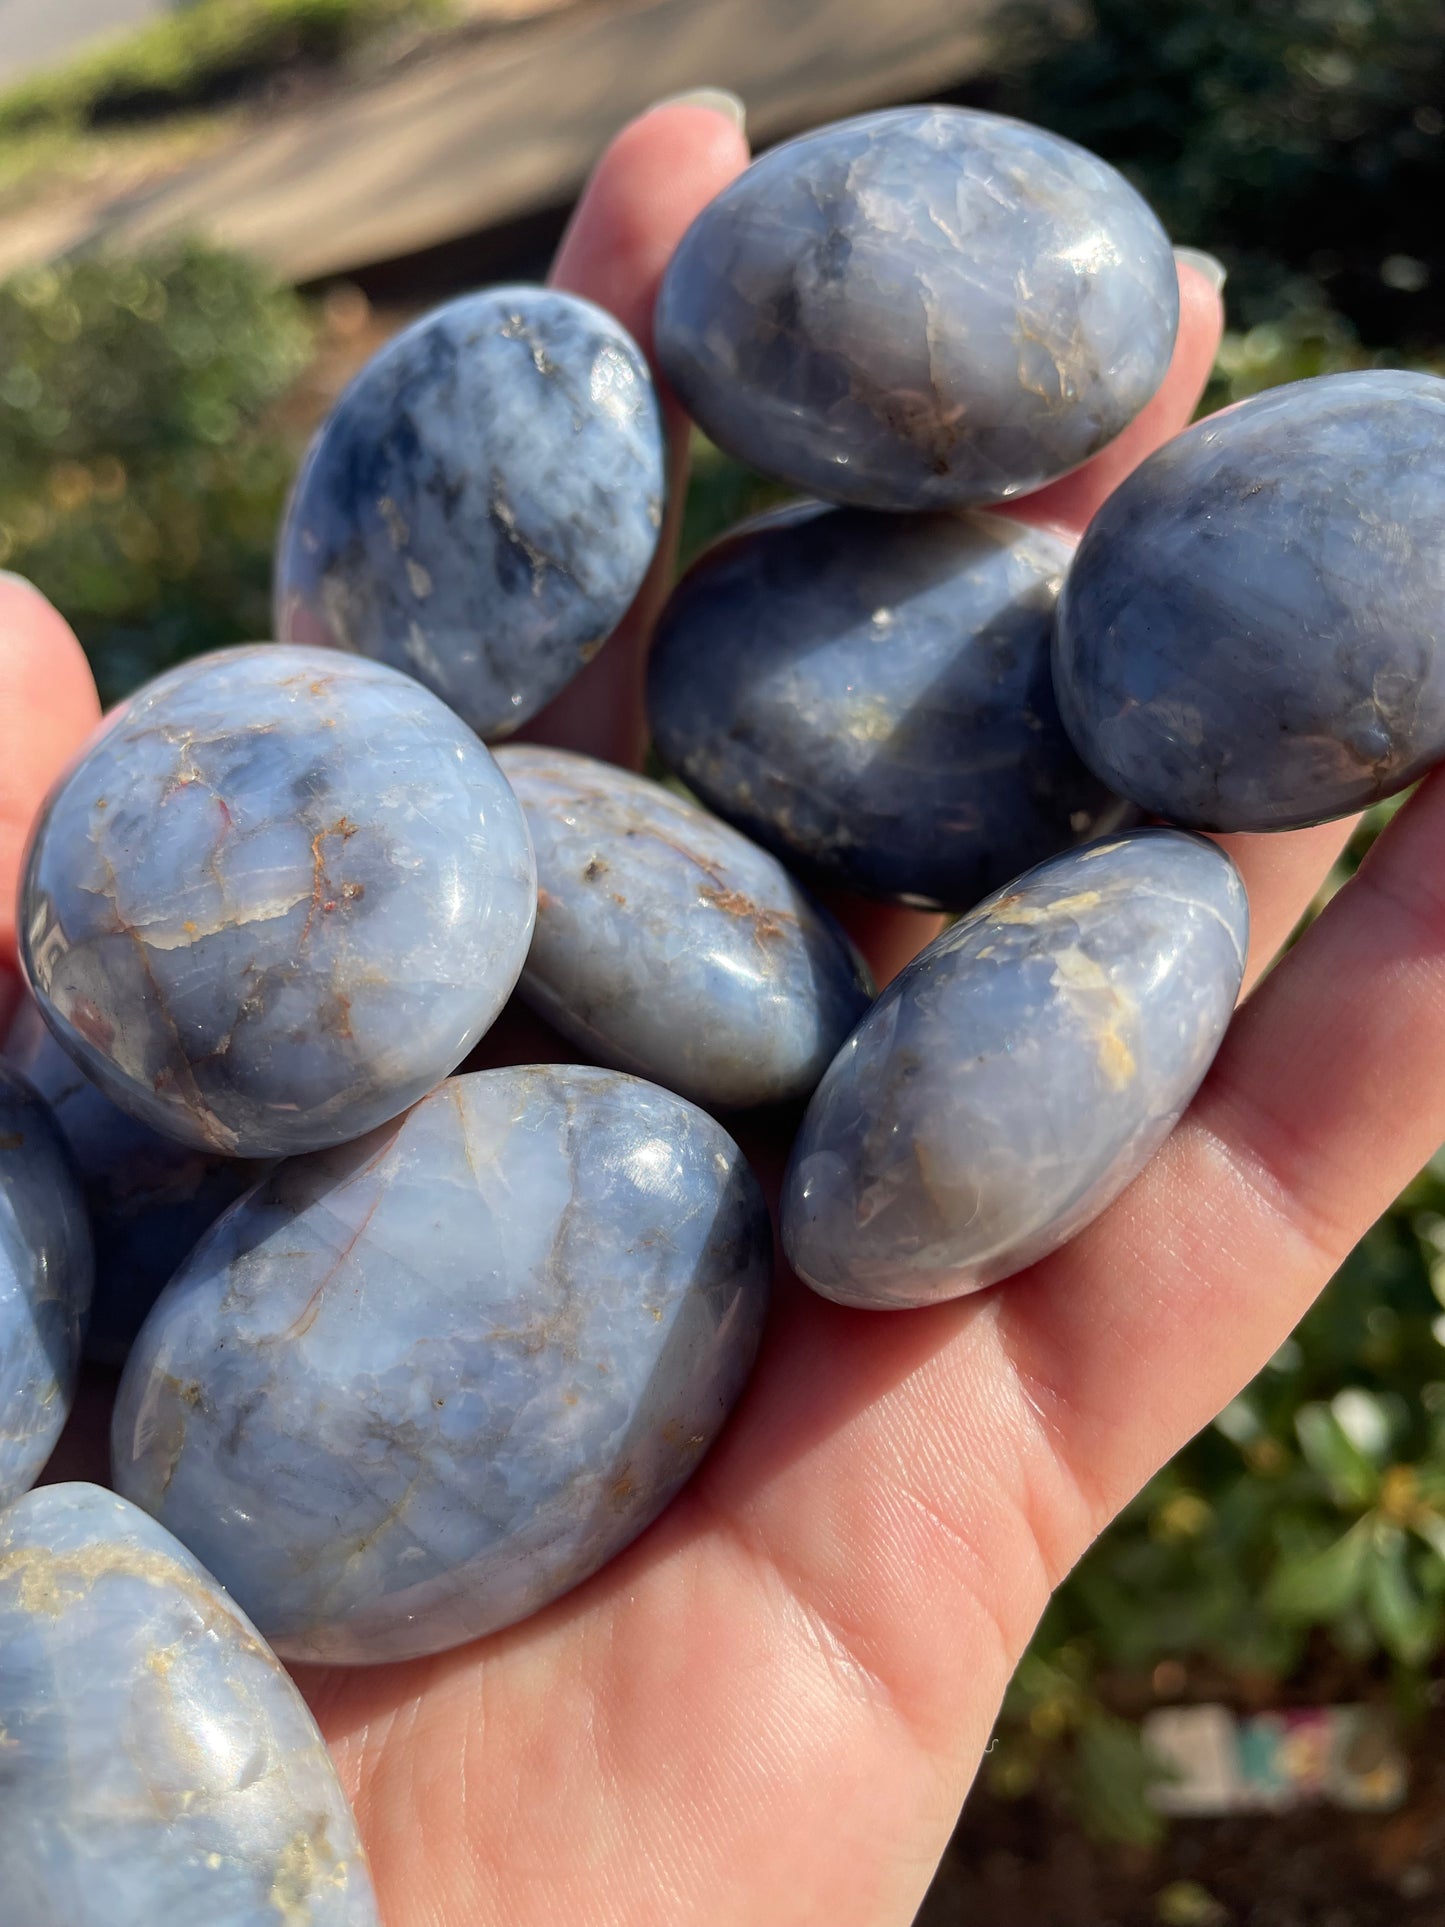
(653, 180)
(48, 706)
(1282, 875)
(1070, 504)
(888, 936)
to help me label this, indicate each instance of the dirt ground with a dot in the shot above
(1019, 1864)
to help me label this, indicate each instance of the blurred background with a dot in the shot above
(210, 214)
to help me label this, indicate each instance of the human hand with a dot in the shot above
(770, 1708)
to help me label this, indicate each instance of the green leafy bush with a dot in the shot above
(1313, 1509)
(1304, 140)
(141, 470)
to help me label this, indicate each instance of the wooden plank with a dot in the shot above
(488, 131)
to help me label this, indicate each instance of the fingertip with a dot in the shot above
(48, 706)
(1201, 319)
(652, 181)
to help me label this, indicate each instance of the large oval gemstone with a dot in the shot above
(920, 309)
(410, 1391)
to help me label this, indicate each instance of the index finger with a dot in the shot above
(659, 173)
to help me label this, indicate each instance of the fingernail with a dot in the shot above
(1213, 270)
(716, 99)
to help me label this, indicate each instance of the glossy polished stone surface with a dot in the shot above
(158, 1765)
(870, 696)
(276, 900)
(1018, 1074)
(150, 1197)
(923, 308)
(1253, 634)
(412, 1390)
(482, 504)
(669, 945)
(45, 1284)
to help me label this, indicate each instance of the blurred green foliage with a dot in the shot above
(721, 493)
(198, 55)
(141, 472)
(1313, 1508)
(1308, 1520)
(1301, 140)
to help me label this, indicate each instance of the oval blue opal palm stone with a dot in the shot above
(669, 945)
(482, 504)
(158, 1765)
(1018, 1074)
(45, 1283)
(410, 1391)
(923, 308)
(277, 900)
(1252, 635)
(870, 696)
(150, 1197)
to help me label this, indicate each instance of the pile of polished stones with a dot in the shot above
(409, 1353)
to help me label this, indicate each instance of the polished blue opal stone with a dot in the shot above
(276, 900)
(1252, 635)
(482, 504)
(669, 945)
(409, 1391)
(1018, 1074)
(869, 696)
(158, 1766)
(45, 1282)
(923, 308)
(150, 1197)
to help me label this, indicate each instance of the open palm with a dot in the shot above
(769, 1710)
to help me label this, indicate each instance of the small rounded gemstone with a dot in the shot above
(277, 899)
(669, 945)
(1018, 1074)
(158, 1766)
(870, 697)
(482, 504)
(150, 1197)
(1252, 634)
(45, 1286)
